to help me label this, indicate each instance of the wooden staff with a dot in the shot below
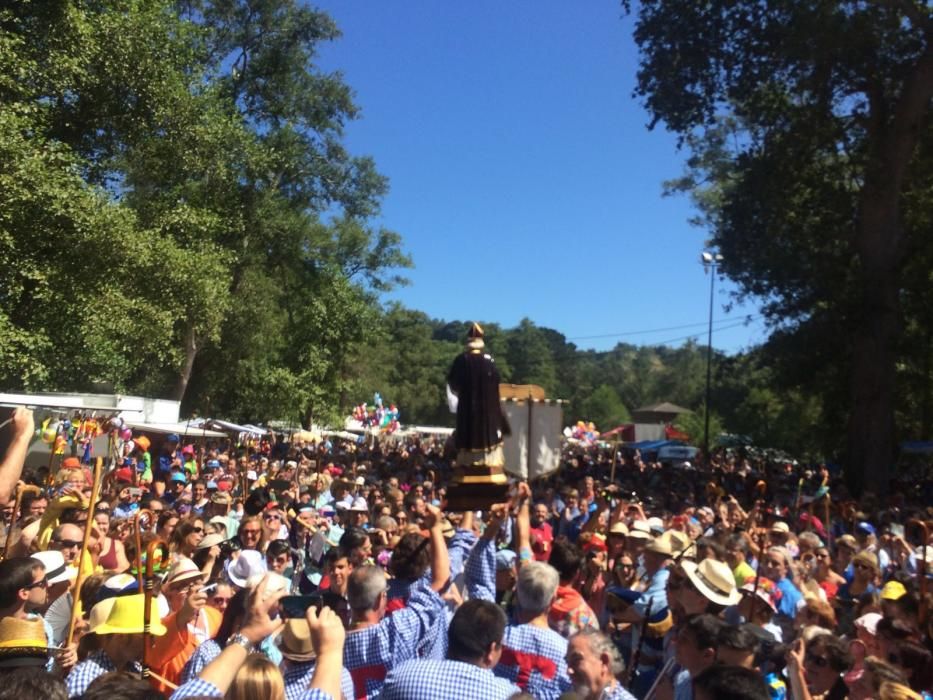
(82, 574)
(636, 654)
(154, 546)
(137, 522)
(22, 488)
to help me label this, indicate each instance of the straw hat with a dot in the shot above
(295, 640)
(23, 642)
(126, 616)
(211, 540)
(714, 580)
(660, 545)
(780, 527)
(640, 530)
(618, 528)
(182, 570)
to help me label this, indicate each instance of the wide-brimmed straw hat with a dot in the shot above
(295, 641)
(714, 579)
(126, 616)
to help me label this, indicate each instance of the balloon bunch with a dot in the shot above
(77, 433)
(377, 416)
(584, 432)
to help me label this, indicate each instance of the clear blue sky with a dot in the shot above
(524, 180)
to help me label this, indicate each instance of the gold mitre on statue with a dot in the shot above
(475, 337)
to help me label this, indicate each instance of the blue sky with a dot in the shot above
(524, 180)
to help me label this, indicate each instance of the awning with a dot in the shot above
(179, 429)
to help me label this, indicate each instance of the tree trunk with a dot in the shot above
(191, 352)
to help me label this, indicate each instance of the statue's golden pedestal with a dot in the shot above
(476, 488)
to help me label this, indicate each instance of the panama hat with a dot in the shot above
(248, 564)
(56, 570)
(295, 640)
(126, 616)
(714, 580)
(618, 528)
(182, 570)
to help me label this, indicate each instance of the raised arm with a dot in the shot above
(440, 558)
(327, 638)
(523, 523)
(258, 625)
(21, 426)
(480, 567)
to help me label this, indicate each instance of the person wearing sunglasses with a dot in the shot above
(186, 536)
(815, 668)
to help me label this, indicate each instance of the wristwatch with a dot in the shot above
(241, 639)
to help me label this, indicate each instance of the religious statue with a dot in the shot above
(479, 479)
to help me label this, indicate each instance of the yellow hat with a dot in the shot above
(126, 617)
(22, 634)
(893, 590)
(99, 613)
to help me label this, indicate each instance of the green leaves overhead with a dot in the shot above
(165, 170)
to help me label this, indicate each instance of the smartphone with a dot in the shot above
(135, 491)
(297, 605)
(896, 529)
(280, 484)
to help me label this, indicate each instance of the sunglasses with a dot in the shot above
(198, 530)
(251, 533)
(68, 544)
(860, 565)
(37, 584)
(220, 600)
(272, 516)
(814, 660)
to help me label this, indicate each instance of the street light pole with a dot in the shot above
(710, 262)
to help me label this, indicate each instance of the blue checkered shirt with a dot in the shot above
(196, 688)
(209, 649)
(533, 657)
(96, 664)
(298, 677)
(370, 653)
(451, 680)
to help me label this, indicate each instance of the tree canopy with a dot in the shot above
(808, 125)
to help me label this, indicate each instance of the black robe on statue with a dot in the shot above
(473, 377)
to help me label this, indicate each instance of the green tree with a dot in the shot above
(805, 118)
(604, 408)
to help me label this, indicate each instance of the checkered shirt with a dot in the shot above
(452, 680)
(534, 658)
(206, 652)
(298, 677)
(196, 688)
(96, 664)
(370, 653)
(616, 693)
(434, 644)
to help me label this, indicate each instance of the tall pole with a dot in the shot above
(710, 261)
(709, 361)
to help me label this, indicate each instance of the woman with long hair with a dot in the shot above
(187, 536)
(168, 520)
(250, 533)
(257, 679)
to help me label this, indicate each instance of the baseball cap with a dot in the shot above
(866, 527)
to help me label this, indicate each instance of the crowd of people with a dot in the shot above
(325, 570)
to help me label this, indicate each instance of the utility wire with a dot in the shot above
(745, 319)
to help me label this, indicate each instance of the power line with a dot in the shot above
(704, 324)
(694, 335)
